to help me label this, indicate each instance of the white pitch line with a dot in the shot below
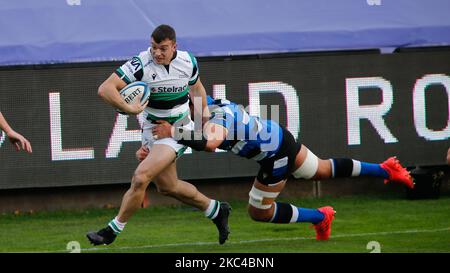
(252, 241)
(270, 239)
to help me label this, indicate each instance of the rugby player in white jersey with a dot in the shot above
(172, 76)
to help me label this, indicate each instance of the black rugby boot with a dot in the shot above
(221, 222)
(105, 236)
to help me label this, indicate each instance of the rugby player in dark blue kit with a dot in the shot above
(231, 128)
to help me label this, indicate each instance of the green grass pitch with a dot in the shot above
(393, 223)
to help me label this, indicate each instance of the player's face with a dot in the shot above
(163, 52)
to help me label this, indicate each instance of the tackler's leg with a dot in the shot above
(263, 207)
(309, 166)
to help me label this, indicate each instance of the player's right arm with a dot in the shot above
(109, 92)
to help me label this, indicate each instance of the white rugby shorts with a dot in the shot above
(149, 140)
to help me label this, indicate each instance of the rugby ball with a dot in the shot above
(131, 91)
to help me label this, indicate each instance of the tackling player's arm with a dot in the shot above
(216, 134)
(208, 140)
(109, 92)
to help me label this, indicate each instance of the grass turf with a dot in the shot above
(398, 225)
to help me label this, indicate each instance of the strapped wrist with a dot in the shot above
(191, 138)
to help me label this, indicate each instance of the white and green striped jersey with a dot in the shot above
(169, 85)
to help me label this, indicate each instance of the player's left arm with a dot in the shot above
(197, 90)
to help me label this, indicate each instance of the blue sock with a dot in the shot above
(372, 169)
(309, 215)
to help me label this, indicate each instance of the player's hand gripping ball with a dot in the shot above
(130, 92)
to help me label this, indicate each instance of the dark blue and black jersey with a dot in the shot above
(265, 141)
(248, 136)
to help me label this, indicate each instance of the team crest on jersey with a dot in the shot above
(134, 65)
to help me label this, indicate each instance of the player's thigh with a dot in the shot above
(159, 158)
(262, 197)
(167, 179)
(308, 165)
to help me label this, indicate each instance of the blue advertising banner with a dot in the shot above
(61, 31)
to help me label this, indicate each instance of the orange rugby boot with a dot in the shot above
(397, 173)
(323, 228)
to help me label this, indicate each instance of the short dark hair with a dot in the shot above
(163, 32)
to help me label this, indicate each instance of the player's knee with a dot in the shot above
(261, 204)
(259, 215)
(140, 181)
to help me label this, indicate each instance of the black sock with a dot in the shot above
(282, 213)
